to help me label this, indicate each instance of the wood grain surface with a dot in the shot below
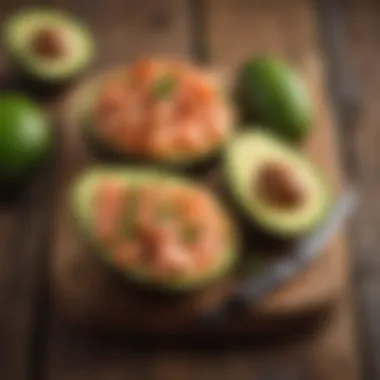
(88, 294)
(362, 50)
(223, 23)
(37, 344)
(22, 249)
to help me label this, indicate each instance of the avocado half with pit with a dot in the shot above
(85, 102)
(82, 196)
(48, 45)
(277, 187)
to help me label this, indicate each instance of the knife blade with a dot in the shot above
(255, 287)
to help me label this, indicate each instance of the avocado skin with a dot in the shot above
(271, 93)
(25, 138)
(131, 276)
(38, 87)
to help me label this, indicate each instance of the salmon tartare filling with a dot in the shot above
(172, 230)
(162, 110)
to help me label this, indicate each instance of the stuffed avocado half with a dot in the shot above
(48, 45)
(275, 186)
(156, 229)
(159, 111)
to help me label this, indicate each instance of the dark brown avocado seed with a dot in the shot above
(280, 185)
(50, 43)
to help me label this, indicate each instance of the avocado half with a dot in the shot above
(83, 105)
(245, 156)
(81, 192)
(19, 31)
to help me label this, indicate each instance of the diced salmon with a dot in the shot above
(130, 138)
(153, 238)
(161, 115)
(203, 91)
(172, 259)
(110, 126)
(127, 253)
(216, 124)
(110, 194)
(185, 108)
(109, 200)
(166, 233)
(190, 137)
(112, 98)
(142, 72)
(134, 113)
(159, 143)
(195, 206)
(160, 245)
(147, 200)
(190, 120)
(204, 252)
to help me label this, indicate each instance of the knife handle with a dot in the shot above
(255, 288)
(237, 304)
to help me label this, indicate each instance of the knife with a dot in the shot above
(256, 287)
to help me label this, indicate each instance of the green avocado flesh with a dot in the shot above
(20, 30)
(83, 108)
(25, 137)
(247, 154)
(271, 93)
(81, 195)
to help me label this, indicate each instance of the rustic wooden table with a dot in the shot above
(344, 34)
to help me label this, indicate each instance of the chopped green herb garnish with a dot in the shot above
(128, 227)
(191, 233)
(164, 86)
(166, 211)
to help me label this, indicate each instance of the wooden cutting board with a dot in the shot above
(86, 294)
(89, 294)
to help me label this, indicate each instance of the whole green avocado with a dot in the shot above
(273, 94)
(25, 138)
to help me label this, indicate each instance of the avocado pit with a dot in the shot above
(50, 43)
(280, 186)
